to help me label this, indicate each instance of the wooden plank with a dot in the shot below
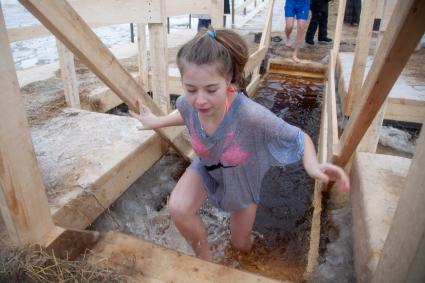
(23, 200)
(59, 17)
(217, 12)
(69, 77)
(118, 11)
(338, 26)
(389, 6)
(255, 59)
(313, 252)
(82, 210)
(139, 259)
(370, 140)
(406, 238)
(143, 58)
(364, 35)
(404, 31)
(265, 37)
(68, 243)
(159, 63)
(183, 7)
(251, 89)
(331, 109)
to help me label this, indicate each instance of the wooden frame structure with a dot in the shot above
(67, 25)
(26, 213)
(405, 28)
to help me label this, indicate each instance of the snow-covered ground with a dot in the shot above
(40, 51)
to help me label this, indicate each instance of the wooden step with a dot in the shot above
(377, 182)
(89, 159)
(147, 262)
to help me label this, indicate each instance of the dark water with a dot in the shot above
(284, 214)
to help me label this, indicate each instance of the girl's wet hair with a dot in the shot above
(224, 47)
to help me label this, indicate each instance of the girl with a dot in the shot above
(236, 140)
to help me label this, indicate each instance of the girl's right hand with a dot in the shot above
(145, 116)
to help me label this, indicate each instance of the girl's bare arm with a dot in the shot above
(150, 121)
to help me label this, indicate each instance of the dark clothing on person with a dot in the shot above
(319, 19)
(352, 11)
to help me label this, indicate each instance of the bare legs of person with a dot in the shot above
(241, 223)
(288, 30)
(299, 37)
(185, 201)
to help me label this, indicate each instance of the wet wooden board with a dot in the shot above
(308, 69)
(147, 262)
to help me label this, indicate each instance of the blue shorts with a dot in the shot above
(297, 8)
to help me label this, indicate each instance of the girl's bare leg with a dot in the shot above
(299, 39)
(241, 223)
(185, 201)
(288, 29)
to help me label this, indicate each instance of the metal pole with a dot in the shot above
(132, 32)
(233, 13)
(190, 21)
(168, 25)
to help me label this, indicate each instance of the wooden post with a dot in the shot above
(389, 6)
(404, 30)
(62, 20)
(23, 200)
(338, 27)
(159, 62)
(217, 12)
(403, 255)
(364, 35)
(370, 140)
(143, 56)
(69, 77)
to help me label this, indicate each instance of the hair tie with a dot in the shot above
(212, 34)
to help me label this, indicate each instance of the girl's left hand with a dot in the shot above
(326, 172)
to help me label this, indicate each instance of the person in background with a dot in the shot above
(352, 12)
(296, 9)
(319, 19)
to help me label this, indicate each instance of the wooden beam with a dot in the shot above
(159, 62)
(217, 12)
(143, 56)
(364, 35)
(144, 261)
(331, 109)
(182, 7)
(255, 59)
(23, 200)
(265, 36)
(313, 251)
(118, 11)
(69, 77)
(59, 17)
(251, 89)
(404, 30)
(338, 26)
(68, 243)
(406, 238)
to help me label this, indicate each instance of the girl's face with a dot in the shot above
(205, 89)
